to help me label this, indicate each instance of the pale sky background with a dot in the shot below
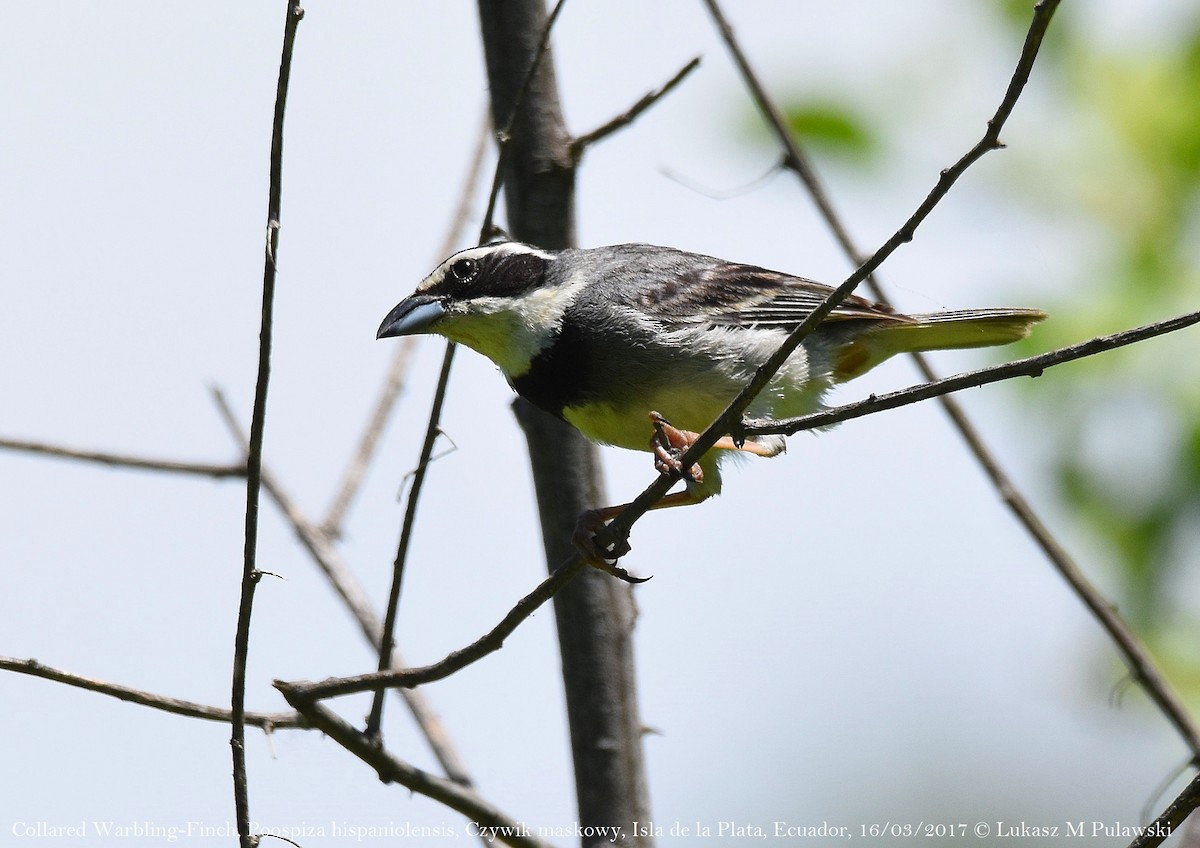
(854, 633)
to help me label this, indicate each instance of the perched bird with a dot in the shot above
(642, 346)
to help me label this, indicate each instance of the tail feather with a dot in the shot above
(960, 328)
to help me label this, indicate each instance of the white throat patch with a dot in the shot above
(511, 331)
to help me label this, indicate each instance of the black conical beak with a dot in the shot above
(411, 316)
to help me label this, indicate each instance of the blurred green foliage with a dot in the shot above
(827, 125)
(1118, 160)
(831, 127)
(1126, 425)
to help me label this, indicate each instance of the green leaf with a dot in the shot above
(833, 128)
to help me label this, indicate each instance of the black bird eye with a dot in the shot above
(464, 269)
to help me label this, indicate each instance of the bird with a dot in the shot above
(643, 347)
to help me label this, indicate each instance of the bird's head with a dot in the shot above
(499, 299)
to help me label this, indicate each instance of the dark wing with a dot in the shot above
(730, 294)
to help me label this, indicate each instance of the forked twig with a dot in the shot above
(490, 642)
(453, 795)
(327, 557)
(1138, 659)
(615, 535)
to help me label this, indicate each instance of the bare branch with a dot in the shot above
(387, 642)
(347, 587)
(191, 709)
(1138, 658)
(391, 769)
(393, 385)
(250, 573)
(1172, 817)
(504, 134)
(615, 535)
(394, 381)
(583, 142)
(433, 427)
(1032, 366)
(491, 641)
(593, 616)
(125, 461)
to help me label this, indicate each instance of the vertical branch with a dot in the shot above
(594, 613)
(250, 573)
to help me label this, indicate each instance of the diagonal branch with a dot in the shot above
(387, 641)
(490, 642)
(394, 381)
(386, 645)
(479, 812)
(1140, 662)
(191, 709)
(619, 122)
(615, 536)
(1172, 817)
(327, 557)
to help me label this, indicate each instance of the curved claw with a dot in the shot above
(668, 444)
(584, 538)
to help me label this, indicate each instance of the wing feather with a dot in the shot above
(731, 294)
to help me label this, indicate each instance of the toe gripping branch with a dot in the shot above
(668, 444)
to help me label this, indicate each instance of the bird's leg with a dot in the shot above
(593, 521)
(668, 444)
(589, 524)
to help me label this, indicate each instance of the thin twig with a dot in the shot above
(393, 385)
(793, 159)
(433, 427)
(375, 718)
(478, 811)
(583, 142)
(1031, 366)
(347, 587)
(1141, 664)
(250, 572)
(191, 709)
(394, 381)
(490, 642)
(1172, 817)
(1137, 657)
(615, 536)
(202, 469)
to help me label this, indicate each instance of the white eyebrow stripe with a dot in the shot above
(506, 248)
